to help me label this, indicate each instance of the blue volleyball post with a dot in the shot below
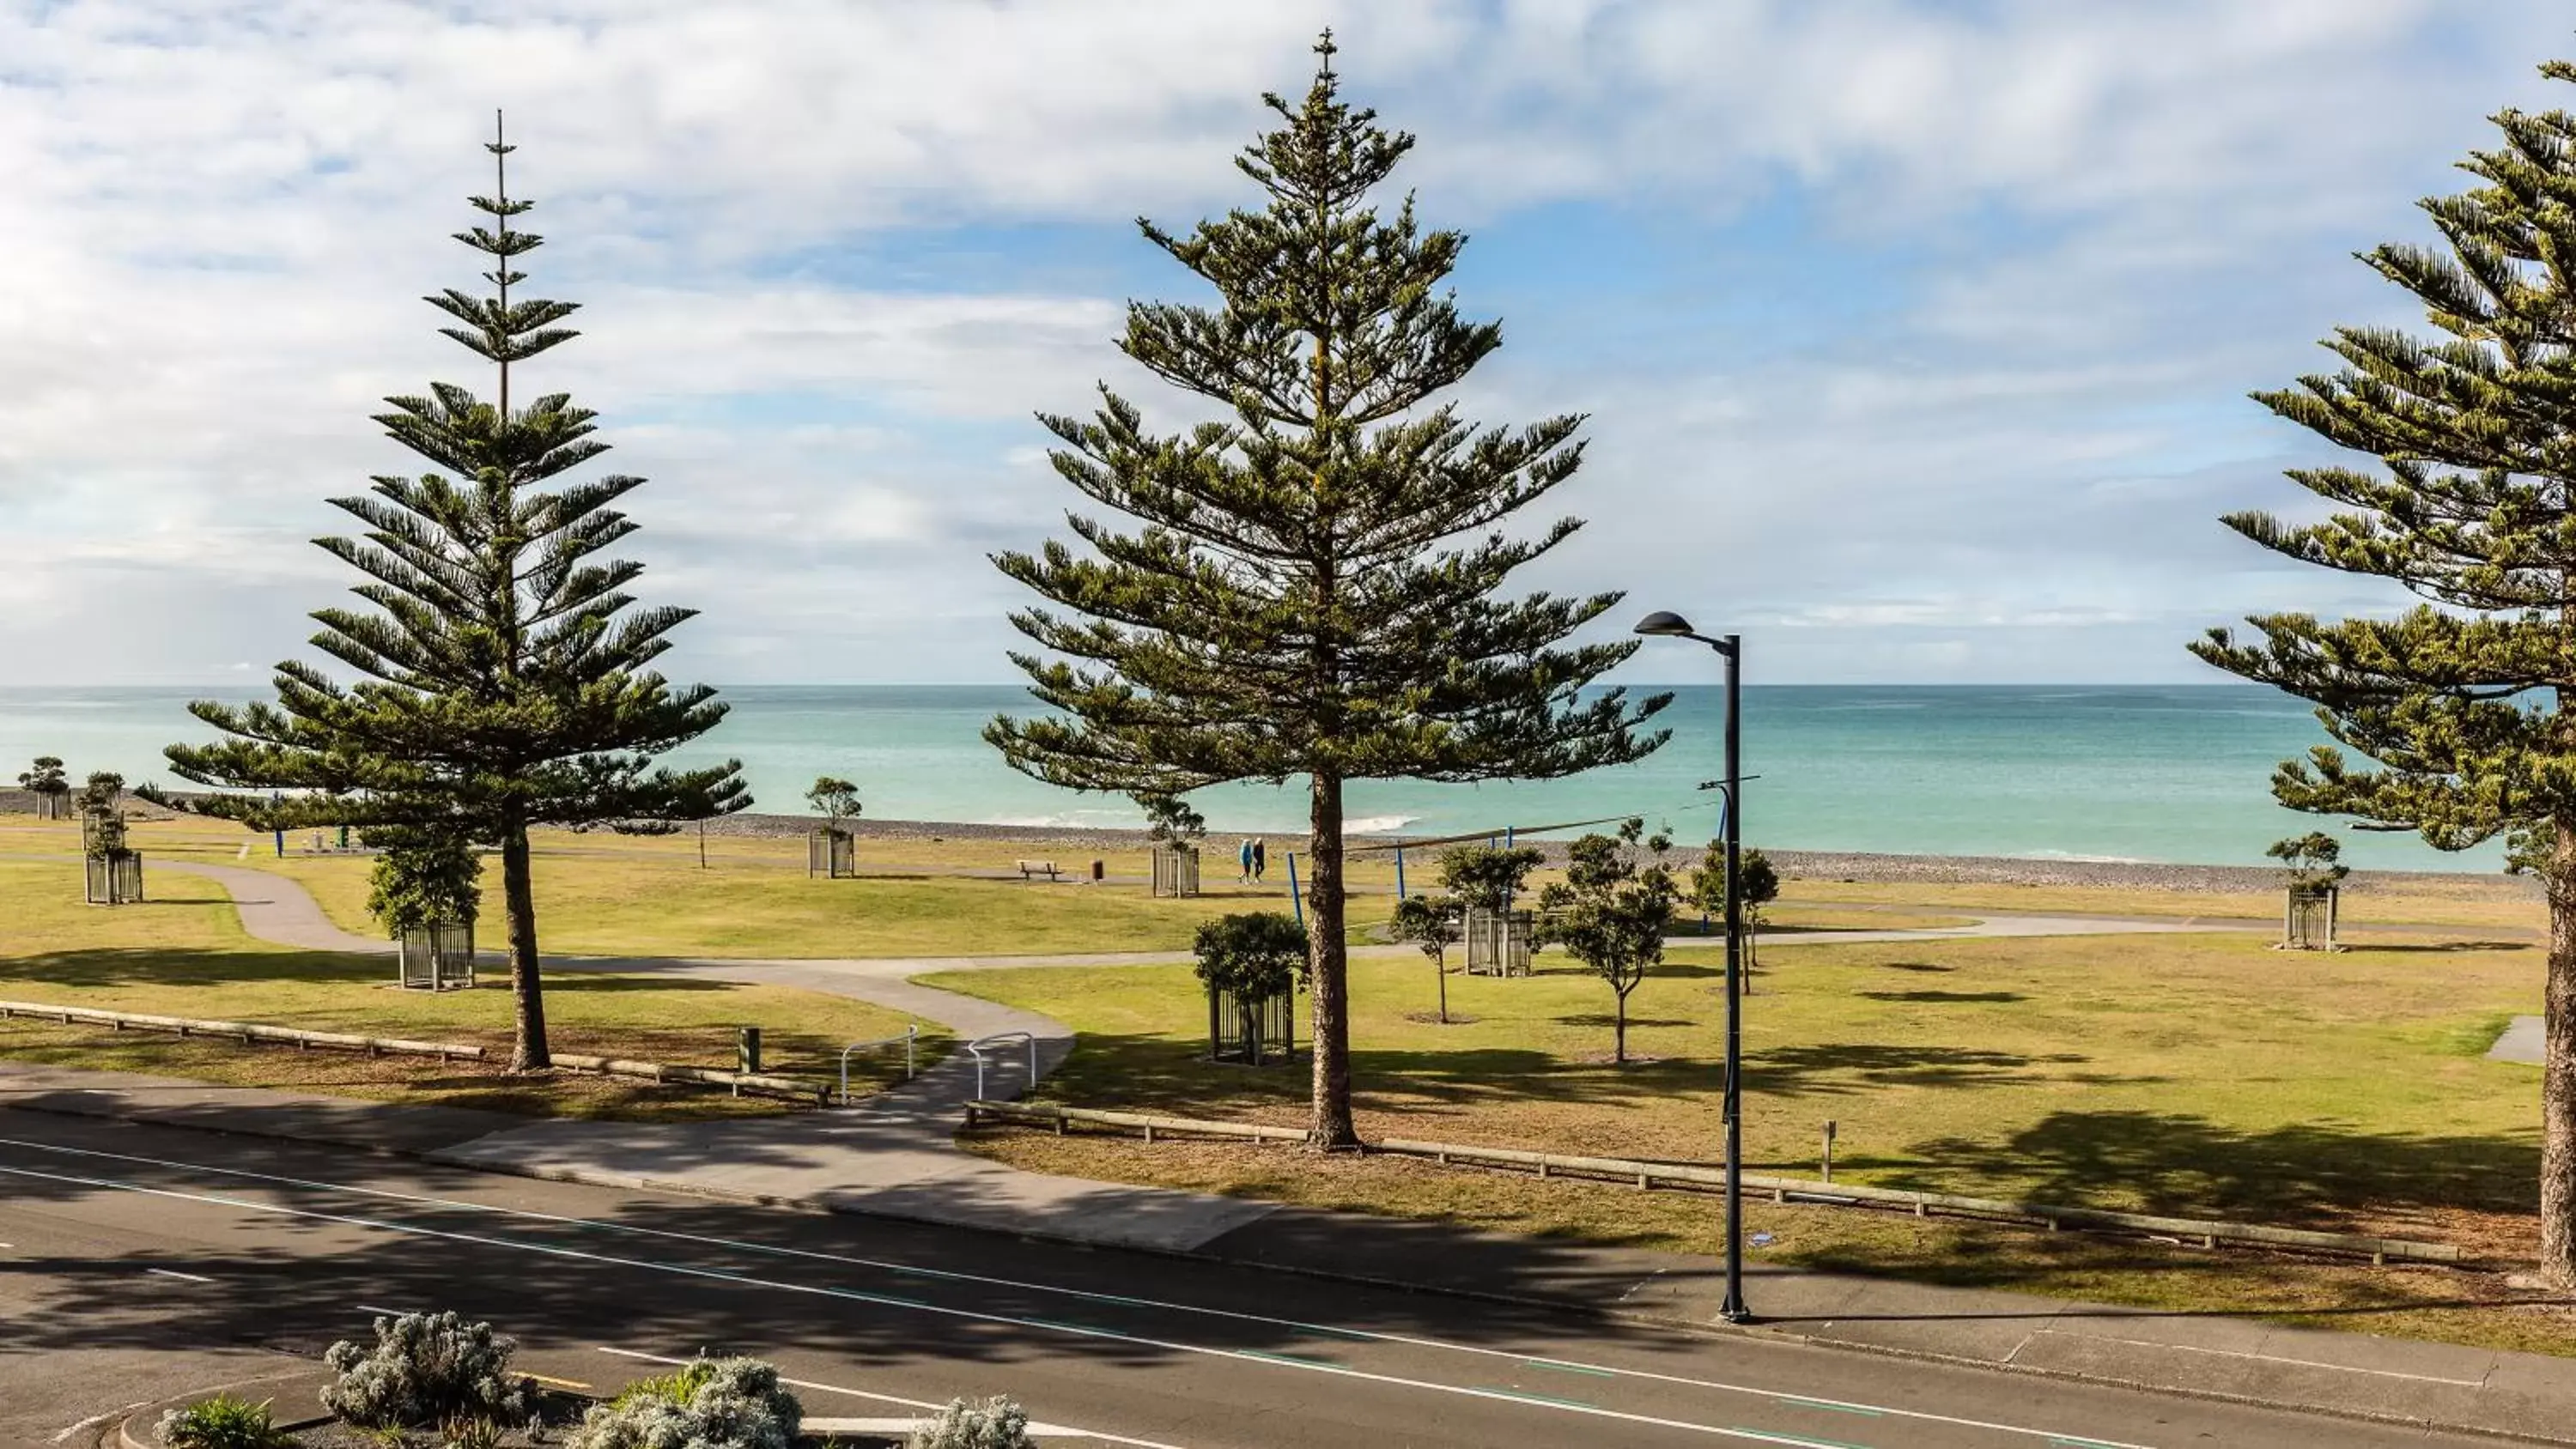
(1294, 898)
(1399, 872)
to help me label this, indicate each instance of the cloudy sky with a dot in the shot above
(1915, 336)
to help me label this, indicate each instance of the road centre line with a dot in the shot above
(1120, 1299)
(1720, 1431)
(1042, 1430)
(182, 1277)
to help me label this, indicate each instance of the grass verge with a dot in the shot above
(2184, 1075)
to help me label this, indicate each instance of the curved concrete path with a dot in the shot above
(894, 1154)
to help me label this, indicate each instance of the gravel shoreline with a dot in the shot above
(1873, 867)
(1857, 866)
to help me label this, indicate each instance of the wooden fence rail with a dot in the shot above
(242, 1030)
(246, 1032)
(2208, 1232)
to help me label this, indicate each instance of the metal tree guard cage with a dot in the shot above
(1253, 1033)
(1497, 942)
(1176, 872)
(833, 854)
(437, 957)
(113, 878)
(2308, 919)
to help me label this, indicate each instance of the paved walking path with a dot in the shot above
(2522, 1040)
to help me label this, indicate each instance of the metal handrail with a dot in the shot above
(976, 1047)
(909, 1033)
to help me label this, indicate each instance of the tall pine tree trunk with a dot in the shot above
(1619, 1034)
(1331, 957)
(518, 891)
(2558, 1069)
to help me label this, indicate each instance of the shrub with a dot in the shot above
(223, 1422)
(1252, 956)
(421, 879)
(996, 1423)
(425, 1368)
(470, 1433)
(724, 1403)
(672, 1388)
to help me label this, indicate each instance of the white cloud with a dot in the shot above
(2116, 217)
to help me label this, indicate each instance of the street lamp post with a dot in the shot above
(1670, 625)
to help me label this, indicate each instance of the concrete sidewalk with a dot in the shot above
(2435, 1385)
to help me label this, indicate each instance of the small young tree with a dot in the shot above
(423, 879)
(833, 798)
(1760, 880)
(1485, 877)
(1612, 909)
(47, 782)
(1314, 587)
(506, 678)
(1434, 923)
(104, 790)
(2311, 862)
(1171, 822)
(1251, 957)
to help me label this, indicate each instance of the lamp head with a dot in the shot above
(1665, 622)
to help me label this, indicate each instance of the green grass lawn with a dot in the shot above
(602, 895)
(2193, 1075)
(184, 954)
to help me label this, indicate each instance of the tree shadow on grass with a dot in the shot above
(1938, 998)
(591, 984)
(2433, 947)
(1922, 966)
(183, 966)
(1847, 1068)
(2315, 1174)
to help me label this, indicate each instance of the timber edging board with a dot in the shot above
(247, 1032)
(1779, 1189)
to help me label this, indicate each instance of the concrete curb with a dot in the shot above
(139, 1428)
(1710, 1328)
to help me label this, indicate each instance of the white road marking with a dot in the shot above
(1043, 1430)
(852, 1295)
(94, 1420)
(182, 1277)
(1087, 1295)
(2264, 1358)
(380, 1308)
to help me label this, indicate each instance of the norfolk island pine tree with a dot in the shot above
(503, 673)
(2465, 705)
(1314, 586)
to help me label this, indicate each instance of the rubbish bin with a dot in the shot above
(1099, 871)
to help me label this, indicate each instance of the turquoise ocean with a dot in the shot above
(2148, 773)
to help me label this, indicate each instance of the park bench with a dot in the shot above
(1045, 868)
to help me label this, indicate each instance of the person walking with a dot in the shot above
(1243, 857)
(1260, 859)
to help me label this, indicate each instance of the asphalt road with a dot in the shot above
(139, 1261)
